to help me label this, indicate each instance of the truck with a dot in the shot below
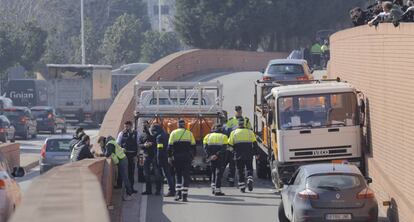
(124, 74)
(200, 104)
(82, 93)
(27, 92)
(305, 122)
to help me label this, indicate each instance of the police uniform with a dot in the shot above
(231, 125)
(181, 146)
(129, 140)
(215, 144)
(243, 142)
(162, 160)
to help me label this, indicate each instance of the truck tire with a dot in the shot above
(281, 213)
(262, 169)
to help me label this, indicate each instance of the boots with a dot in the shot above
(170, 194)
(250, 184)
(178, 196)
(185, 197)
(218, 192)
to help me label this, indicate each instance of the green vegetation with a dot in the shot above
(247, 24)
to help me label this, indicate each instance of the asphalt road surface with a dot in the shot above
(259, 205)
(33, 146)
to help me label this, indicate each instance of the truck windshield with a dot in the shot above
(320, 110)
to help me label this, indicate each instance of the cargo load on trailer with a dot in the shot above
(81, 92)
(165, 103)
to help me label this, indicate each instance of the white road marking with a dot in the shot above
(143, 207)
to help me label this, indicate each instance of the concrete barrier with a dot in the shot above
(11, 151)
(179, 65)
(71, 192)
(380, 62)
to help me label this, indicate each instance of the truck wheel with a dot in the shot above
(262, 169)
(281, 213)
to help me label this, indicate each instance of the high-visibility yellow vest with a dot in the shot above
(218, 139)
(119, 153)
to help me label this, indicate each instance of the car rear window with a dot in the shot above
(13, 114)
(58, 145)
(286, 69)
(341, 181)
(41, 113)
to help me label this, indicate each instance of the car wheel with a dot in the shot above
(281, 213)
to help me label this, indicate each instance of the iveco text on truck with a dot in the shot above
(315, 121)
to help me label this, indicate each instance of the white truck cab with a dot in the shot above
(314, 122)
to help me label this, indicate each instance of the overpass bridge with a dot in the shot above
(378, 61)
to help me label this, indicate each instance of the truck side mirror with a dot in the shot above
(362, 112)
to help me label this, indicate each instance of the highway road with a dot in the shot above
(261, 204)
(32, 147)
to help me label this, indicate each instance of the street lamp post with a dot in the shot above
(159, 16)
(82, 35)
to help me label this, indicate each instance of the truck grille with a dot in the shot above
(321, 152)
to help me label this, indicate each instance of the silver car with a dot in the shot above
(55, 152)
(287, 70)
(328, 192)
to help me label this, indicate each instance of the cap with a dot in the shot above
(181, 123)
(238, 108)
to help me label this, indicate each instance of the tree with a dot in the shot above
(33, 39)
(246, 24)
(92, 44)
(157, 45)
(10, 47)
(122, 41)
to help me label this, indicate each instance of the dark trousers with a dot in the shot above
(182, 173)
(164, 171)
(216, 172)
(151, 163)
(316, 59)
(243, 165)
(232, 165)
(123, 174)
(131, 167)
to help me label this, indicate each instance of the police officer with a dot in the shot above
(181, 149)
(115, 151)
(162, 160)
(245, 147)
(148, 144)
(128, 139)
(215, 145)
(231, 125)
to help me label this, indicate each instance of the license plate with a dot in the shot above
(39, 119)
(338, 217)
(61, 157)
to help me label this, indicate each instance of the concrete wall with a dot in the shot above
(177, 66)
(380, 62)
(11, 151)
(71, 192)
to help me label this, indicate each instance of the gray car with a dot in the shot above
(287, 70)
(328, 192)
(55, 152)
